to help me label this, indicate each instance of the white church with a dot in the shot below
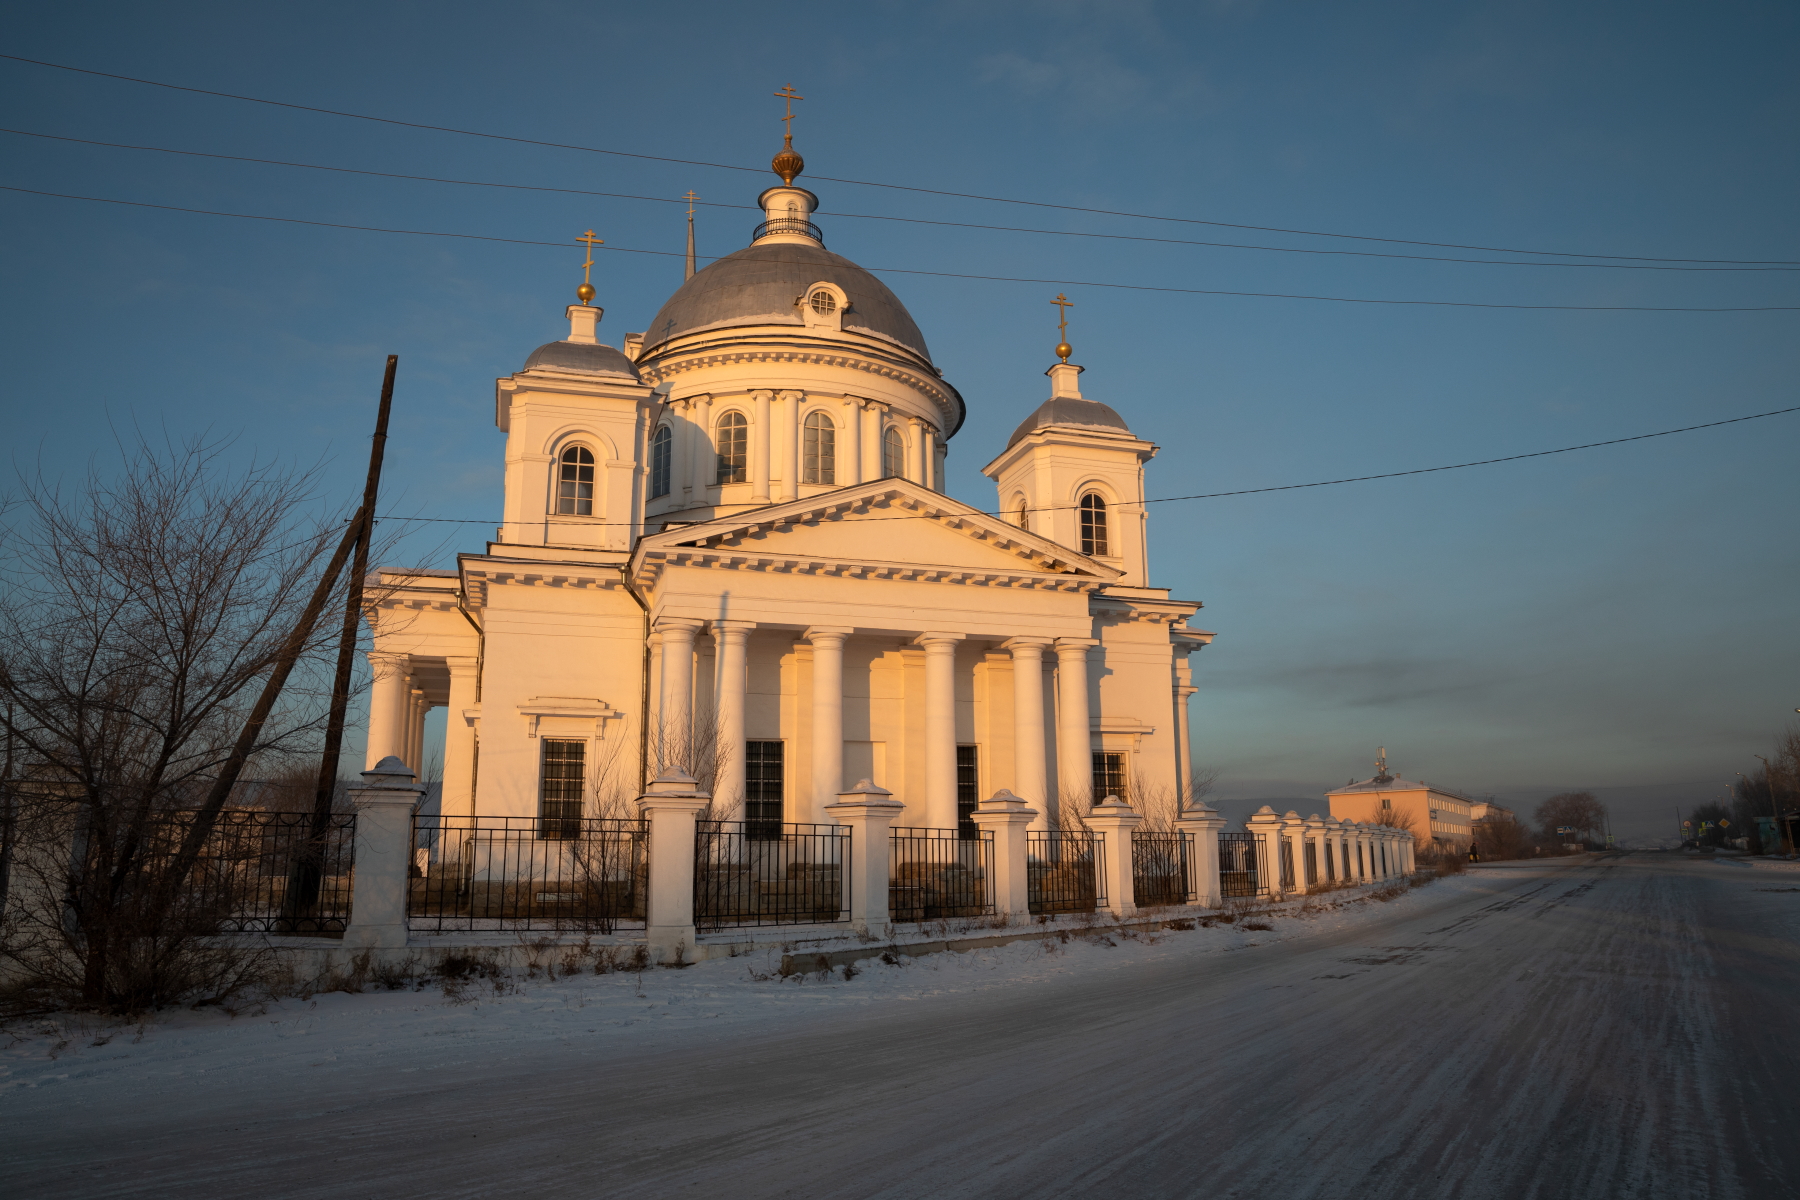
(726, 547)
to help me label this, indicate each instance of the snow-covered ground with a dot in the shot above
(1610, 1027)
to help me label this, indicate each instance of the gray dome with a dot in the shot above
(591, 359)
(758, 286)
(1086, 414)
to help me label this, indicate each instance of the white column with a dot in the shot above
(940, 728)
(706, 457)
(1074, 739)
(937, 470)
(731, 637)
(655, 715)
(850, 457)
(761, 444)
(790, 444)
(415, 730)
(827, 717)
(387, 696)
(915, 446)
(1030, 768)
(384, 806)
(928, 458)
(674, 743)
(459, 737)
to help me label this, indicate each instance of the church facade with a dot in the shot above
(726, 547)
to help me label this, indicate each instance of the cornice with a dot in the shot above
(654, 563)
(930, 387)
(477, 580)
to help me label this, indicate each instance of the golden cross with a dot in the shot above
(690, 198)
(788, 94)
(1063, 305)
(591, 241)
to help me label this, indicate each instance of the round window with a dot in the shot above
(823, 302)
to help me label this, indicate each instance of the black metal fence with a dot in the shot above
(1287, 863)
(936, 873)
(768, 873)
(495, 873)
(1064, 872)
(1312, 862)
(1159, 868)
(261, 872)
(1243, 864)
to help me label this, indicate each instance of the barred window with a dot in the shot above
(1109, 775)
(821, 448)
(823, 302)
(968, 791)
(575, 482)
(893, 454)
(559, 805)
(734, 448)
(1093, 525)
(662, 459)
(762, 789)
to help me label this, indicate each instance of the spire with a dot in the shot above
(787, 163)
(690, 246)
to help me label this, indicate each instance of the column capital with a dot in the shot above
(461, 662)
(678, 625)
(1075, 645)
(1016, 644)
(732, 628)
(933, 639)
(817, 634)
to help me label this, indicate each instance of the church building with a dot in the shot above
(726, 547)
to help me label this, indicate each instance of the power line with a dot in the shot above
(1116, 237)
(1063, 282)
(1286, 487)
(875, 184)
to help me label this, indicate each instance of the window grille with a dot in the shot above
(1093, 525)
(575, 483)
(821, 448)
(1109, 775)
(734, 448)
(559, 808)
(662, 461)
(968, 790)
(893, 454)
(823, 302)
(763, 779)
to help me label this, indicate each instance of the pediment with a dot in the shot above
(890, 523)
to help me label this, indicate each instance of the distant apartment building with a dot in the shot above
(1434, 815)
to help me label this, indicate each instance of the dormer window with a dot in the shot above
(823, 302)
(575, 482)
(1093, 525)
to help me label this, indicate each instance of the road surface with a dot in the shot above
(1624, 1028)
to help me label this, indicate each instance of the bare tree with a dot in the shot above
(1502, 836)
(138, 615)
(1580, 811)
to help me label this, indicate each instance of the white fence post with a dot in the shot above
(671, 808)
(1115, 820)
(1266, 825)
(1010, 820)
(384, 809)
(1203, 823)
(869, 812)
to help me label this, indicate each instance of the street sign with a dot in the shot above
(1724, 824)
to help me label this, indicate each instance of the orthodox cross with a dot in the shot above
(1063, 305)
(586, 290)
(788, 94)
(690, 198)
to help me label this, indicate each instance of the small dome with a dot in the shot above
(1066, 410)
(758, 286)
(588, 358)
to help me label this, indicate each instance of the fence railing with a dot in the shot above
(1287, 864)
(1159, 868)
(1064, 872)
(260, 872)
(937, 873)
(1243, 864)
(502, 873)
(769, 873)
(1312, 863)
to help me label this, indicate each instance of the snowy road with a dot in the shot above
(1606, 1030)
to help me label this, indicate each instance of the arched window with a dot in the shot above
(820, 449)
(893, 453)
(662, 458)
(1022, 515)
(575, 482)
(734, 448)
(1093, 525)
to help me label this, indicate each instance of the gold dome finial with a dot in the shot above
(1063, 305)
(788, 163)
(585, 293)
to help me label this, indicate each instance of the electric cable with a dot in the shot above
(1064, 282)
(876, 184)
(1117, 237)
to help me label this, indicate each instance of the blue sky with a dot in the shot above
(1620, 618)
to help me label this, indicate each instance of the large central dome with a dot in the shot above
(762, 284)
